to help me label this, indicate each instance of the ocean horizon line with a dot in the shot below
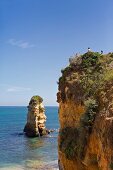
(25, 106)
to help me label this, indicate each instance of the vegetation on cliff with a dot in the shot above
(36, 99)
(87, 73)
(84, 82)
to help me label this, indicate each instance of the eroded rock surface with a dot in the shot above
(36, 118)
(85, 100)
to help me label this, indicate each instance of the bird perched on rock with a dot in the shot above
(101, 52)
(89, 49)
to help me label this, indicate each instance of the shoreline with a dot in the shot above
(53, 165)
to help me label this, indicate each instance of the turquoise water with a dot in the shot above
(19, 152)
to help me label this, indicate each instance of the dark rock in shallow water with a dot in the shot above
(20, 134)
(36, 118)
(17, 134)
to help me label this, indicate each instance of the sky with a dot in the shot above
(37, 37)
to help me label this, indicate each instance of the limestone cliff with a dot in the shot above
(85, 100)
(36, 118)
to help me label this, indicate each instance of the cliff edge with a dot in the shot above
(85, 100)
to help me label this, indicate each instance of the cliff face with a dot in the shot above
(36, 118)
(85, 100)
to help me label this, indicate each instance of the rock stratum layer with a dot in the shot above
(36, 118)
(85, 100)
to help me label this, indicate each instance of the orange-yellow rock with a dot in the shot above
(85, 100)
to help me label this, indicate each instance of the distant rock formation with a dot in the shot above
(85, 100)
(36, 118)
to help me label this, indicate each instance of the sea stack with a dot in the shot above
(36, 118)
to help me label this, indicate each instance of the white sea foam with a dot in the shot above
(35, 165)
(13, 167)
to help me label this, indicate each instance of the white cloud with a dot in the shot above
(18, 89)
(20, 43)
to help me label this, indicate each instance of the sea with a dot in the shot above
(18, 152)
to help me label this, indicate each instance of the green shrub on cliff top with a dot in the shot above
(86, 76)
(87, 73)
(90, 59)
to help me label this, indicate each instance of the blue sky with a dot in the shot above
(37, 37)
